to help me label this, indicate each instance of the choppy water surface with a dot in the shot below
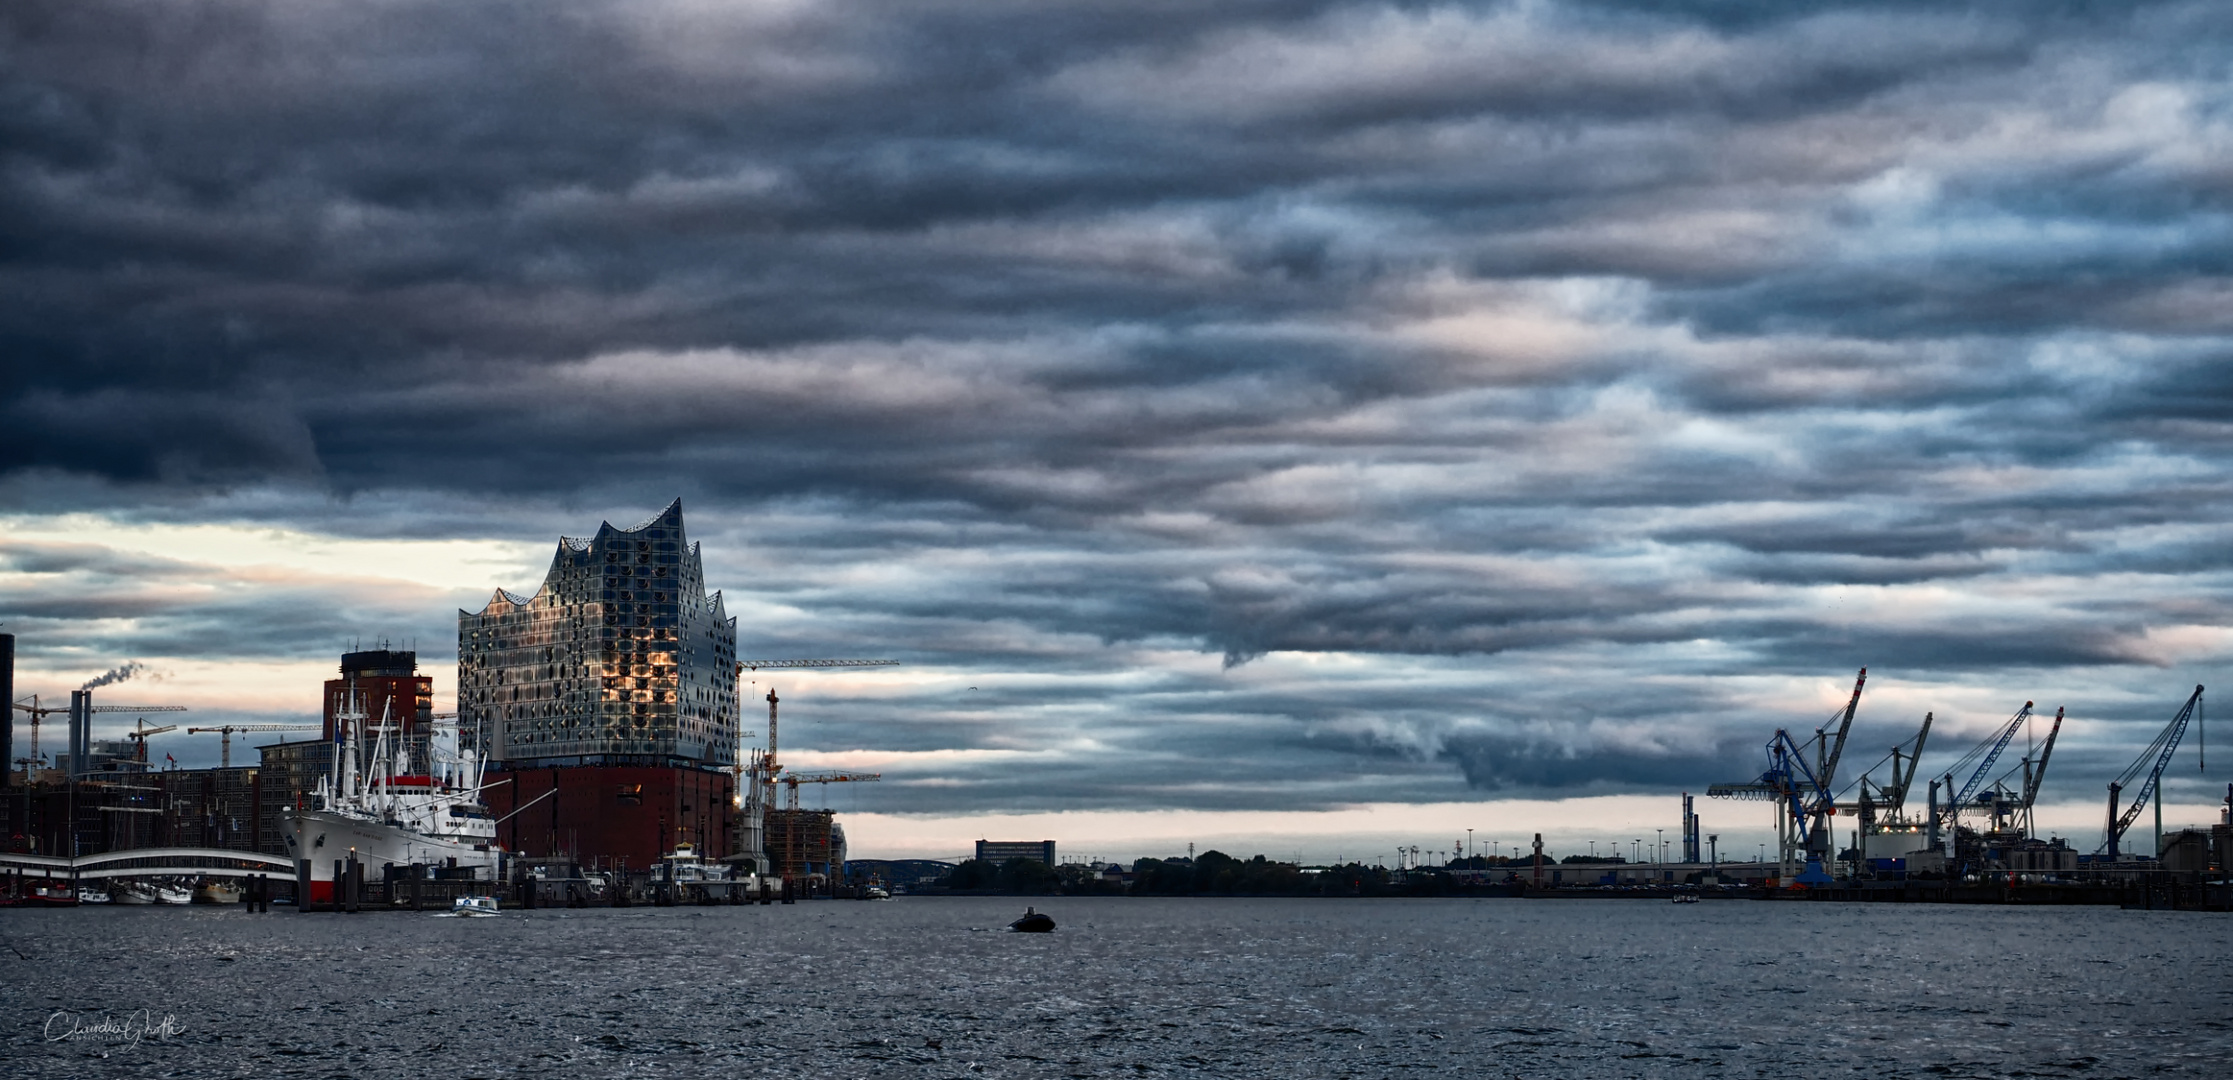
(1246, 988)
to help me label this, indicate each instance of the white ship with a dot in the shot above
(373, 807)
(694, 877)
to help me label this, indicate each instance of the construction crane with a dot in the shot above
(2159, 752)
(765, 764)
(791, 865)
(765, 767)
(225, 748)
(139, 738)
(775, 665)
(793, 780)
(140, 751)
(38, 715)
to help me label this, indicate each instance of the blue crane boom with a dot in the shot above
(2159, 752)
(1992, 748)
(1800, 784)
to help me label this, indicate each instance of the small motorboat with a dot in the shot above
(473, 907)
(1033, 922)
(1686, 898)
(215, 891)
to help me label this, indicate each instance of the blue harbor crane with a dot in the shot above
(2159, 752)
(1802, 791)
(1983, 755)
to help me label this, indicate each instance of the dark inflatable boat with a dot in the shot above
(1032, 923)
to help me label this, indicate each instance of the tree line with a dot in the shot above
(1213, 873)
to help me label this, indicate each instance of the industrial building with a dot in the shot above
(998, 852)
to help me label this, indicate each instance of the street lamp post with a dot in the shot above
(1469, 843)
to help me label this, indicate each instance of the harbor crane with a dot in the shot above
(1978, 764)
(2012, 805)
(2033, 777)
(1799, 781)
(225, 747)
(1881, 809)
(1891, 798)
(2159, 753)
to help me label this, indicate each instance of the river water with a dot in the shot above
(930, 987)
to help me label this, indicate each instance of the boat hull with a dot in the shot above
(326, 838)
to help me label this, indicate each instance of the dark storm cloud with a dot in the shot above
(1589, 355)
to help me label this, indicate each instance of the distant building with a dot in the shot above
(805, 844)
(213, 808)
(290, 775)
(611, 693)
(389, 687)
(621, 658)
(998, 852)
(102, 758)
(2195, 851)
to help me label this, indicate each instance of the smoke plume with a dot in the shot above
(117, 675)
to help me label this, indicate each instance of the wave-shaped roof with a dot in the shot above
(670, 516)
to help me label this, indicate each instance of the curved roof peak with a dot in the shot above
(672, 515)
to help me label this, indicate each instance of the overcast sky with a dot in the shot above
(1319, 426)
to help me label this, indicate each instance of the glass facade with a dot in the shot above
(620, 658)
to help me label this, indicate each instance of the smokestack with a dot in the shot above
(7, 709)
(80, 705)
